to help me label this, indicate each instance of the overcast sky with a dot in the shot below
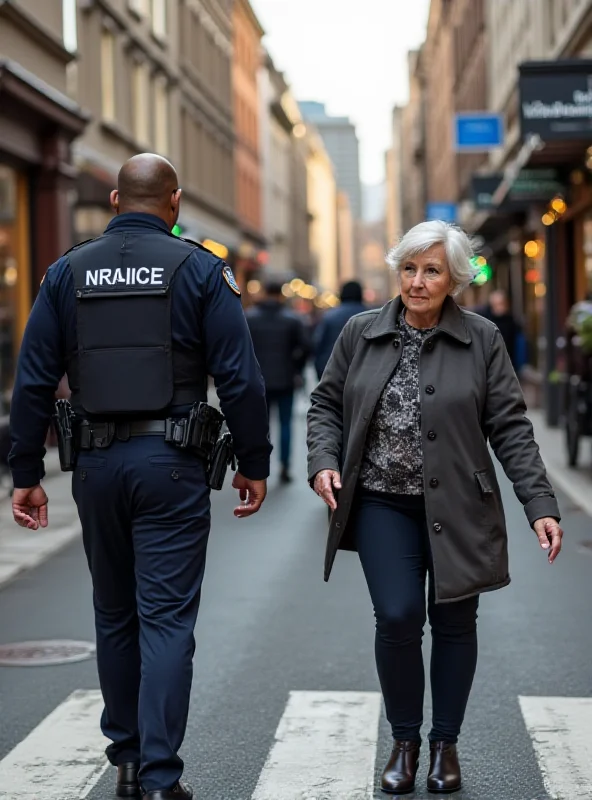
(350, 54)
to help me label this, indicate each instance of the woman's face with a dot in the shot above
(426, 280)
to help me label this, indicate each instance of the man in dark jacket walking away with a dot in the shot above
(333, 323)
(281, 348)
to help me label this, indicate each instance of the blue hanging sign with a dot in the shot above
(447, 212)
(478, 131)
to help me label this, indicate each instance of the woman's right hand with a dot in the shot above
(325, 483)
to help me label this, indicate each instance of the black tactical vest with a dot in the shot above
(126, 363)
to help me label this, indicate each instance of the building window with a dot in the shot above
(141, 102)
(140, 7)
(108, 75)
(161, 116)
(159, 21)
(69, 25)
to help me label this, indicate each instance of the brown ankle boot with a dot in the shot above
(399, 774)
(444, 774)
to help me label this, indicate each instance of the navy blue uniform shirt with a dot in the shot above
(206, 315)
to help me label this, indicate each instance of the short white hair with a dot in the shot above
(459, 249)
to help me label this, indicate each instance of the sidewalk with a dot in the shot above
(575, 482)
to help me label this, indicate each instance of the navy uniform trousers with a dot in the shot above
(145, 513)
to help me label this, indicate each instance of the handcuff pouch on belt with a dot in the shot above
(199, 431)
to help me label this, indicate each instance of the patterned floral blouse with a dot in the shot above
(393, 458)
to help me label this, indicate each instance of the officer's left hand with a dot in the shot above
(29, 507)
(252, 493)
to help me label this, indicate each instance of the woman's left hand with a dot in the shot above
(550, 535)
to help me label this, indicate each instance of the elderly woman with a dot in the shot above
(398, 435)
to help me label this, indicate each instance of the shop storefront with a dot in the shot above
(37, 125)
(556, 115)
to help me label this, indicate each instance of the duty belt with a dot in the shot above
(199, 430)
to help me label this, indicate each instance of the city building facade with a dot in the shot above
(247, 55)
(276, 160)
(322, 208)
(300, 255)
(156, 76)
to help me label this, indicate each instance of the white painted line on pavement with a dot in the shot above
(62, 758)
(325, 748)
(561, 731)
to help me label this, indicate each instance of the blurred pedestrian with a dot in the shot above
(282, 348)
(498, 311)
(398, 435)
(333, 321)
(139, 318)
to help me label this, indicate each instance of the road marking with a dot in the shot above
(62, 758)
(325, 748)
(560, 729)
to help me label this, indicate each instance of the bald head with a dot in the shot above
(148, 183)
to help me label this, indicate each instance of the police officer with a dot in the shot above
(138, 319)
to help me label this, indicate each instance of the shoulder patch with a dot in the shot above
(230, 279)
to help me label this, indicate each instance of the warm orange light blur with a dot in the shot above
(548, 219)
(531, 249)
(559, 205)
(532, 276)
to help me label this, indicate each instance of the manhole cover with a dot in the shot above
(45, 653)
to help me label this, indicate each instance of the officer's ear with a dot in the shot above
(176, 199)
(114, 200)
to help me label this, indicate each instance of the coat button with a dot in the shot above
(338, 524)
(437, 527)
(430, 389)
(175, 475)
(83, 475)
(434, 482)
(431, 435)
(430, 345)
(396, 342)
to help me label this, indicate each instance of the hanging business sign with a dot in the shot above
(477, 131)
(556, 99)
(537, 185)
(447, 212)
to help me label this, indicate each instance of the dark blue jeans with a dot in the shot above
(145, 513)
(284, 400)
(394, 549)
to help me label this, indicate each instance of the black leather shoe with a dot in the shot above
(444, 774)
(182, 791)
(127, 780)
(399, 774)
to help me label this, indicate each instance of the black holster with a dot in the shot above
(63, 419)
(222, 457)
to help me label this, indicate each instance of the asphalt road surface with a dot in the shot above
(285, 702)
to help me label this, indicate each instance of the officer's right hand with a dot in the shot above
(29, 507)
(252, 494)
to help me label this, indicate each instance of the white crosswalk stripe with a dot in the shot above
(325, 749)
(62, 758)
(560, 730)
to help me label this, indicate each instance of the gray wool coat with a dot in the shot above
(470, 396)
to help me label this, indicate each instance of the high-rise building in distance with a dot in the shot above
(340, 139)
